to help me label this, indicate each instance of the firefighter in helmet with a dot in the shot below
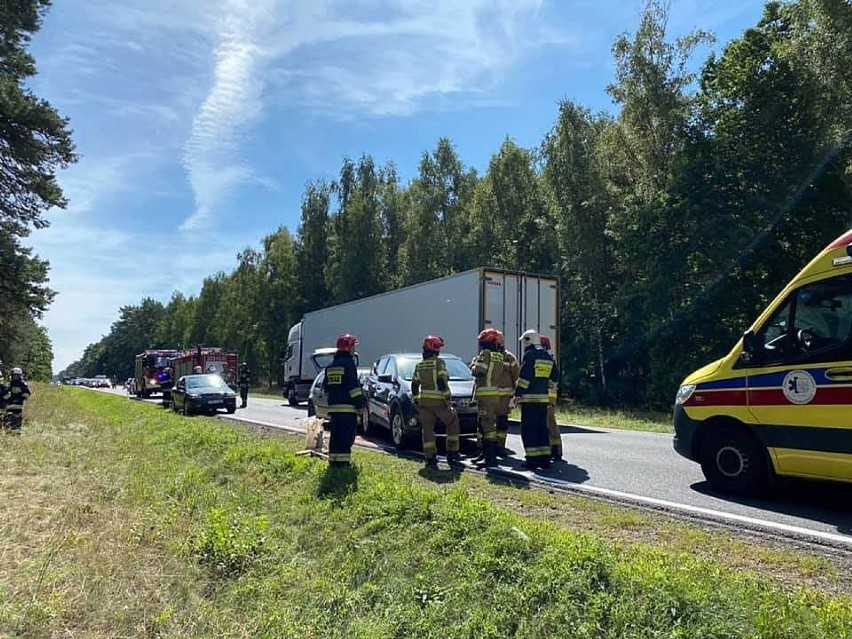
(16, 393)
(552, 427)
(506, 383)
(538, 370)
(244, 383)
(430, 386)
(167, 383)
(487, 370)
(345, 400)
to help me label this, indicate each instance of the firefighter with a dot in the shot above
(552, 427)
(507, 381)
(532, 392)
(167, 383)
(3, 390)
(17, 392)
(430, 387)
(487, 370)
(345, 400)
(244, 382)
(197, 370)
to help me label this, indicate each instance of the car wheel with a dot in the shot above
(311, 410)
(231, 410)
(365, 427)
(733, 461)
(292, 398)
(398, 434)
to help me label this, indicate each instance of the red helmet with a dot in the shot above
(490, 335)
(433, 343)
(346, 342)
(545, 342)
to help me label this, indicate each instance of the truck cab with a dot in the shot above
(780, 403)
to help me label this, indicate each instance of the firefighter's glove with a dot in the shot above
(514, 401)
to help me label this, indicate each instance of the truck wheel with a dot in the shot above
(398, 435)
(292, 398)
(733, 461)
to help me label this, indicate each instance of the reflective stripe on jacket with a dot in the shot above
(430, 375)
(487, 370)
(341, 383)
(538, 372)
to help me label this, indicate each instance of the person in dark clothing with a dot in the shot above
(345, 400)
(538, 371)
(244, 383)
(16, 393)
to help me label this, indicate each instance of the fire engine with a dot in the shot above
(210, 359)
(148, 371)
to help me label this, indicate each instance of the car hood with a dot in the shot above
(210, 390)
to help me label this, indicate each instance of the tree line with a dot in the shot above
(669, 225)
(34, 144)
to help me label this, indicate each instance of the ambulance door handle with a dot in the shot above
(839, 374)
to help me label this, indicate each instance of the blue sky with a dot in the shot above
(200, 121)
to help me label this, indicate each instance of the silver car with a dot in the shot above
(318, 398)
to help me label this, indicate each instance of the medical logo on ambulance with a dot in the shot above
(799, 387)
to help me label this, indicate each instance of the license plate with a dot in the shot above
(215, 401)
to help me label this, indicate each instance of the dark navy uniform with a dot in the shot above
(538, 371)
(345, 400)
(17, 392)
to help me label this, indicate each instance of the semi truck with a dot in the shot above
(456, 307)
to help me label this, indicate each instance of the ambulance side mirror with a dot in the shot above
(751, 348)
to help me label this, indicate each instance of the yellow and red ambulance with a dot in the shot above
(780, 403)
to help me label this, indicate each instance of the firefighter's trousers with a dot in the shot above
(244, 395)
(503, 419)
(341, 438)
(553, 432)
(13, 418)
(488, 409)
(429, 414)
(534, 432)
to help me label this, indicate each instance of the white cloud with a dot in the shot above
(159, 83)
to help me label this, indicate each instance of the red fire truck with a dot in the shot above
(210, 359)
(149, 371)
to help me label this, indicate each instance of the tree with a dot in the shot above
(312, 247)
(589, 280)
(34, 144)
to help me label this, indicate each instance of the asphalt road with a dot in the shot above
(643, 467)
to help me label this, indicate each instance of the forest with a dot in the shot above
(670, 224)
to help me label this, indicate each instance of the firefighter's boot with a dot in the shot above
(432, 462)
(454, 459)
(489, 455)
(556, 453)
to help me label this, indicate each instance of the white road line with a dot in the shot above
(697, 510)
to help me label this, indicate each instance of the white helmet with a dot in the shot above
(529, 337)
(16, 371)
(197, 370)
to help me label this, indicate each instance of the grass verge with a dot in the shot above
(121, 519)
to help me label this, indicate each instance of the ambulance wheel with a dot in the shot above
(733, 461)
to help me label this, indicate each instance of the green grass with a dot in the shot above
(122, 519)
(586, 416)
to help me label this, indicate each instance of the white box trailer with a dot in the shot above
(456, 307)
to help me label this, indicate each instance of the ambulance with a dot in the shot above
(780, 403)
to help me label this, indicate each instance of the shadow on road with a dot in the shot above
(824, 502)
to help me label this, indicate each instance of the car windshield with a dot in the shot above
(457, 369)
(203, 381)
